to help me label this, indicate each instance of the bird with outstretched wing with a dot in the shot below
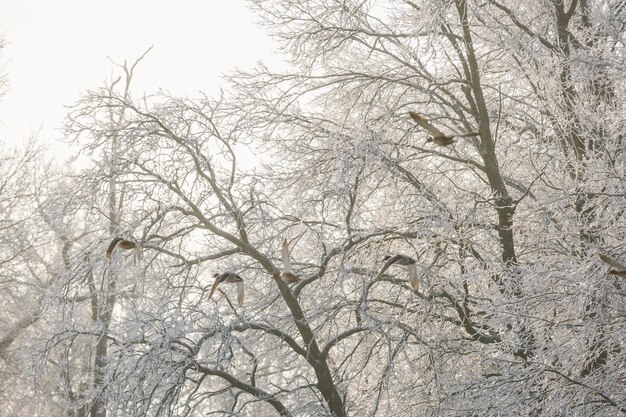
(403, 260)
(619, 269)
(287, 276)
(229, 278)
(437, 136)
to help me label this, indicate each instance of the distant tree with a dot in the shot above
(3, 76)
(27, 269)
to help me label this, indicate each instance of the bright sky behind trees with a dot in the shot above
(194, 43)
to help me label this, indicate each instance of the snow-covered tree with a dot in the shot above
(514, 313)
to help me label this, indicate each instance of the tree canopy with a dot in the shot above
(513, 313)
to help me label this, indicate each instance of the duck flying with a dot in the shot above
(287, 276)
(620, 270)
(437, 136)
(404, 261)
(229, 278)
(119, 243)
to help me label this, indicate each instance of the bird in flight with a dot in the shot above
(122, 244)
(404, 261)
(287, 276)
(620, 270)
(437, 136)
(229, 278)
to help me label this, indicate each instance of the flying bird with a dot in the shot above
(438, 138)
(620, 270)
(287, 276)
(404, 261)
(122, 244)
(229, 278)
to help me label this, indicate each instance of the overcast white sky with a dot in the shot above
(56, 49)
